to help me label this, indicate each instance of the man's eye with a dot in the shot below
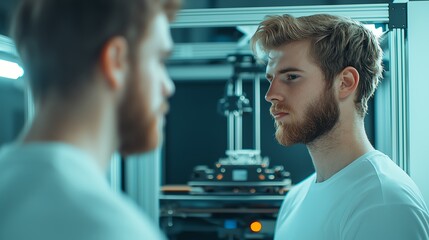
(291, 77)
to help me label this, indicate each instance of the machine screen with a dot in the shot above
(239, 175)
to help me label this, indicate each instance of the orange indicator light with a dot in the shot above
(256, 226)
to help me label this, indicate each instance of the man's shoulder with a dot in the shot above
(48, 169)
(387, 221)
(114, 216)
(389, 182)
(92, 218)
(64, 197)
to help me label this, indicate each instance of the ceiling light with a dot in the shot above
(10, 70)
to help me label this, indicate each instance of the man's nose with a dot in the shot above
(273, 93)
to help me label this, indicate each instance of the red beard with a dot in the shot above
(320, 117)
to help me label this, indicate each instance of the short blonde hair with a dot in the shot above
(336, 43)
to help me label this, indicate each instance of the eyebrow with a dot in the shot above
(285, 70)
(289, 69)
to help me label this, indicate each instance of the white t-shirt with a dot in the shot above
(370, 199)
(55, 191)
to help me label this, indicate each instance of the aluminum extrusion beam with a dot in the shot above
(231, 17)
(215, 50)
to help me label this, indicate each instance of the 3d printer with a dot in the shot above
(242, 171)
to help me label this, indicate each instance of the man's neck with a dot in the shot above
(335, 150)
(88, 128)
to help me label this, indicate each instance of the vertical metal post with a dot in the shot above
(114, 173)
(399, 99)
(230, 132)
(29, 102)
(238, 117)
(257, 112)
(143, 181)
(391, 115)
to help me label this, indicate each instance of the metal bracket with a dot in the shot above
(397, 15)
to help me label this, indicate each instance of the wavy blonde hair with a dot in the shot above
(336, 43)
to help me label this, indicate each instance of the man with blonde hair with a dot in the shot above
(322, 70)
(97, 73)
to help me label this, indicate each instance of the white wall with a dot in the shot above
(418, 42)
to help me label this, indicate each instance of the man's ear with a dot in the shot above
(348, 82)
(114, 62)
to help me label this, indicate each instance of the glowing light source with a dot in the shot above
(10, 70)
(377, 31)
(256, 226)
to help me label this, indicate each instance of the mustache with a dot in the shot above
(279, 107)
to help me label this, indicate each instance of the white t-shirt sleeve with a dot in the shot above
(393, 222)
